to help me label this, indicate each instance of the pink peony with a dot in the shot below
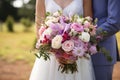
(68, 45)
(77, 27)
(93, 50)
(78, 42)
(78, 51)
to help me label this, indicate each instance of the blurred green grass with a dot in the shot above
(17, 45)
(118, 39)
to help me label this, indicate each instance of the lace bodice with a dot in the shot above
(75, 7)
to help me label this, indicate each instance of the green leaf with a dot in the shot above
(106, 54)
(47, 14)
(37, 56)
(44, 52)
(66, 68)
(95, 21)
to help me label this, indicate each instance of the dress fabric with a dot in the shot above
(48, 70)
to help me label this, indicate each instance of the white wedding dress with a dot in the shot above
(48, 70)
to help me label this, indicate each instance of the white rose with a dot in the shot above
(73, 32)
(57, 42)
(80, 20)
(56, 19)
(48, 22)
(48, 31)
(87, 29)
(86, 22)
(85, 36)
(56, 14)
(76, 17)
(49, 18)
(88, 18)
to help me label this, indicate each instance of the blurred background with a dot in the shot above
(17, 38)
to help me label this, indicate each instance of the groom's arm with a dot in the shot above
(112, 24)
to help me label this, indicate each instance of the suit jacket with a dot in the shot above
(108, 14)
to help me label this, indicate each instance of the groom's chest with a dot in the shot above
(100, 8)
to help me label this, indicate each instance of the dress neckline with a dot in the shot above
(65, 6)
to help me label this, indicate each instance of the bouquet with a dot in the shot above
(67, 38)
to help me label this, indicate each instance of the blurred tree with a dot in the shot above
(28, 10)
(6, 9)
(1, 28)
(10, 23)
(27, 23)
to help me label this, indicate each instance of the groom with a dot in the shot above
(108, 14)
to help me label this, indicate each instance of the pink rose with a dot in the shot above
(68, 45)
(41, 30)
(77, 27)
(38, 44)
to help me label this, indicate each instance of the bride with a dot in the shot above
(48, 70)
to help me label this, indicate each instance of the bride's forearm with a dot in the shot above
(37, 32)
(40, 8)
(39, 14)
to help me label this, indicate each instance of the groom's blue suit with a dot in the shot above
(108, 14)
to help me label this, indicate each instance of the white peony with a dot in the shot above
(85, 36)
(57, 42)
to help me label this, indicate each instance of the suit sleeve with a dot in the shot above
(112, 24)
